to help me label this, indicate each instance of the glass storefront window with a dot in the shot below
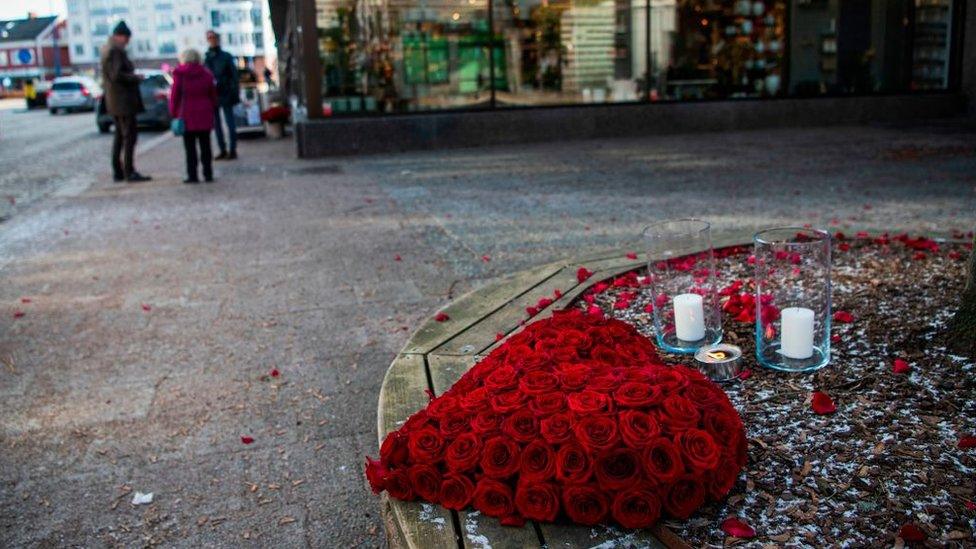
(403, 56)
(391, 56)
(570, 51)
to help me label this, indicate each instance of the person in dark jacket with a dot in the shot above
(224, 69)
(123, 101)
(193, 100)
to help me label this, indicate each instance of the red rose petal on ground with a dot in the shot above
(967, 442)
(822, 404)
(146, 307)
(557, 294)
(843, 317)
(745, 374)
(835, 338)
(531, 311)
(649, 308)
(751, 260)
(594, 310)
(486, 258)
(911, 532)
(275, 373)
(919, 256)
(844, 247)
(397, 258)
(499, 336)
(899, 366)
(441, 317)
(583, 273)
(970, 505)
(738, 529)
(25, 300)
(955, 255)
(631, 255)
(246, 439)
(18, 314)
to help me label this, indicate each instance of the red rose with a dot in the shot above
(573, 377)
(547, 404)
(538, 382)
(596, 433)
(487, 423)
(522, 426)
(475, 400)
(556, 428)
(394, 450)
(507, 401)
(637, 429)
(633, 394)
(698, 450)
(453, 426)
(398, 485)
(686, 495)
(636, 508)
(662, 462)
(426, 446)
(604, 383)
(585, 504)
(493, 498)
(500, 457)
(605, 354)
(670, 380)
(464, 453)
(426, 481)
(678, 413)
(537, 501)
(720, 480)
(538, 463)
(376, 474)
(704, 394)
(574, 339)
(617, 469)
(588, 402)
(456, 491)
(725, 428)
(503, 377)
(446, 406)
(573, 465)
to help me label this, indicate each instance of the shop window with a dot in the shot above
(404, 57)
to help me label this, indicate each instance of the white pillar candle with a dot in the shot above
(689, 317)
(796, 340)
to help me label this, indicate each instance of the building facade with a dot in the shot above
(30, 49)
(162, 28)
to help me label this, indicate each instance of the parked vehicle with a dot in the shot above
(73, 93)
(155, 89)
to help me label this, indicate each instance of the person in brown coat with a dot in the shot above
(123, 101)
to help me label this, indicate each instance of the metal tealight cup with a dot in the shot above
(721, 362)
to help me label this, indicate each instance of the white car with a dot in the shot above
(73, 93)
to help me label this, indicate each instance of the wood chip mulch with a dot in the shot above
(890, 456)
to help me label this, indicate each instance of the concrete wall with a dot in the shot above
(380, 134)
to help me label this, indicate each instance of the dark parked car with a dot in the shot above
(155, 89)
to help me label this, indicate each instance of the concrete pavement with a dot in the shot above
(156, 313)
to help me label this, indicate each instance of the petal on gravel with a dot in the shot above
(822, 403)
(900, 366)
(738, 529)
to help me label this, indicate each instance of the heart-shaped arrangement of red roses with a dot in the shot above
(574, 416)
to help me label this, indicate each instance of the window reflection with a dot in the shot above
(416, 55)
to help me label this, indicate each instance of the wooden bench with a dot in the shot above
(441, 352)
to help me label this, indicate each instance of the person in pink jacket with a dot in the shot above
(193, 99)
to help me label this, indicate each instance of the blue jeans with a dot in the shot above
(231, 128)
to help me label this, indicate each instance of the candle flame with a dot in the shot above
(717, 355)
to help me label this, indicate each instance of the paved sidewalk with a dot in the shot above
(158, 312)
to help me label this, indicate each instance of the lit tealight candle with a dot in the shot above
(689, 317)
(796, 340)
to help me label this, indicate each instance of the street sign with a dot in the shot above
(25, 56)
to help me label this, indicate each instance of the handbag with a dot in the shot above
(176, 125)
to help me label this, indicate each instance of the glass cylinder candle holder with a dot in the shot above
(681, 267)
(792, 299)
